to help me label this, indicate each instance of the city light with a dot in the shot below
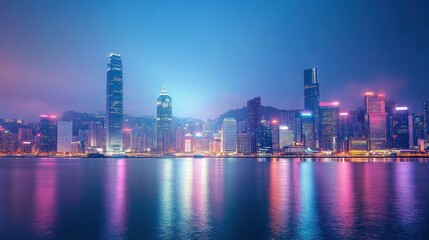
(401, 108)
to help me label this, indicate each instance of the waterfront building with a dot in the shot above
(164, 122)
(418, 127)
(375, 119)
(344, 131)
(307, 129)
(254, 121)
(25, 140)
(114, 105)
(311, 101)
(286, 138)
(243, 143)
(401, 128)
(328, 125)
(64, 137)
(229, 135)
(48, 134)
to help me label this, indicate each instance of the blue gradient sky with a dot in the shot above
(212, 55)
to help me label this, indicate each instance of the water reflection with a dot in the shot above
(115, 182)
(45, 198)
(213, 198)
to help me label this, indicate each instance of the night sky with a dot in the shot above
(212, 55)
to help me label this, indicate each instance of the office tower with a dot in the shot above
(95, 134)
(285, 137)
(216, 144)
(274, 126)
(48, 134)
(328, 125)
(25, 140)
(344, 131)
(243, 142)
(114, 105)
(390, 111)
(375, 119)
(164, 122)
(8, 141)
(401, 128)
(307, 129)
(264, 139)
(426, 113)
(288, 118)
(229, 135)
(189, 143)
(64, 137)
(418, 127)
(126, 139)
(254, 120)
(312, 99)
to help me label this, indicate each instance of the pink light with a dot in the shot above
(344, 114)
(274, 121)
(369, 94)
(52, 116)
(329, 104)
(43, 116)
(126, 129)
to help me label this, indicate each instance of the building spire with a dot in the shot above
(164, 90)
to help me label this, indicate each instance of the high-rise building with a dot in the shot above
(418, 127)
(243, 142)
(344, 131)
(401, 131)
(114, 105)
(285, 137)
(426, 113)
(25, 140)
(375, 119)
(64, 137)
(274, 126)
(312, 99)
(48, 134)
(164, 122)
(229, 135)
(254, 121)
(307, 129)
(328, 125)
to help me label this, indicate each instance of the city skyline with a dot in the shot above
(211, 59)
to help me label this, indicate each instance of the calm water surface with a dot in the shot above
(213, 198)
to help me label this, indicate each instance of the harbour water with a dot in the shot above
(254, 198)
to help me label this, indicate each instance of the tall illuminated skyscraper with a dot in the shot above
(254, 120)
(114, 105)
(375, 119)
(312, 99)
(328, 125)
(164, 122)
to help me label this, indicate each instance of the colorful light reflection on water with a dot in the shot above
(212, 198)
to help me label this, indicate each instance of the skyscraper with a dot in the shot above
(285, 137)
(254, 121)
(229, 135)
(307, 129)
(426, 114)
(114, 105)
(401, 128)
(375, 119)
(64, 137)
(164, 122)
(48, 133)
(344, 131)
(328, 125)
(312, 99)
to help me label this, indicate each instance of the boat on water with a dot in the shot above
(198, 155)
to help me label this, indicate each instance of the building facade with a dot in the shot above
(114, 105)
(164, 122)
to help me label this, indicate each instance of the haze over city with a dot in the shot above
(213, 56)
